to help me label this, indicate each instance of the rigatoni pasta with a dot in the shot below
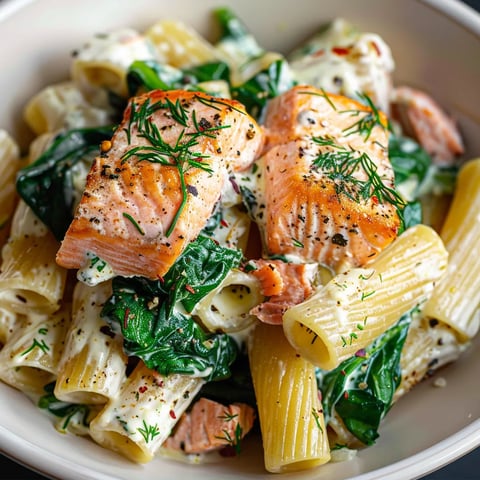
(9, 164)
(263, 315)
(93, 365)
(30, 279)
(30, 358)
(139, 419)
(456, 299)
(293, 428)
(355, 307)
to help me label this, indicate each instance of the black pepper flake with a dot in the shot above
(340, 240)
(433, 322)
(106, 330)
(204, 124)
(193, 190)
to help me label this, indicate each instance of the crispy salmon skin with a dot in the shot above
(153, 187)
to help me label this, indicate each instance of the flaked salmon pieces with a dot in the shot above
(328, 185)
(209, 425)
(153, 187)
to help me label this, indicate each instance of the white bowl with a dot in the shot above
(436, 45)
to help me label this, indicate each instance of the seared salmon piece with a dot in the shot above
(286, 284)
(153, 187)
(424, 120)
(328, 183)
(211, 426)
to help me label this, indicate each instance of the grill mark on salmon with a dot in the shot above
(328, 182)
(209, 425)
(143, 201)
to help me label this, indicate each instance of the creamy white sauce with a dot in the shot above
(95, 270)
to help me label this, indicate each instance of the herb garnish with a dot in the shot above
(370, 119)
(340, 166)
(180, 153)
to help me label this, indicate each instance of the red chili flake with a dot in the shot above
(345, 395)
(361, 353)
(318, 53)
(161, 279)
(172, 414)
(223, 223)
(125, 317)
(189, 288)
(341, 50)
(375, 199)
(343, 372)
(143, 389)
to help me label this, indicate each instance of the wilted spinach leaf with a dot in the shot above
(165, 336)
(47, 184)
(361, 388)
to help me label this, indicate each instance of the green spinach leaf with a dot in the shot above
(165, 336)
(361, 388)
(47, 185)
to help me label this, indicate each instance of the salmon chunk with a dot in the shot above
(210, 426)
(423, 119)
(153, 187)
(328, 183)
(285, 284)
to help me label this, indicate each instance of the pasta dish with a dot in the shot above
(207, 240)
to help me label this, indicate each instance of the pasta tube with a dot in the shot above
(290, 412)
(102, 64)
(9, 164)
(92, 367)
(351, 310)
(30, 279)
(456, 299)
(8, 321)
(62, 106)
(180, 45)
(227, 307)
(140, 418)
(30, 358)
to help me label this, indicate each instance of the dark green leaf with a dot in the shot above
(411, 215)
(265, 85)
(361, 388)
(144, 76)
(62, 409)
(156, 330)
(408, 159)
(47, 184)
(234, 32)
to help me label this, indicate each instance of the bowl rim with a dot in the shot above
(33, 457)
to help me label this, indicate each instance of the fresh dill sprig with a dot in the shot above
(180, 153)
(369, 119)
(340, 164)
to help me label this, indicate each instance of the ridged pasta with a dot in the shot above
(180, 45)
(92, 367)
(139, 419)
(30, 358)
(9, 164)
(291, 418)
(62, 106)
(102, 63)
(355, 307)
(456, 299)
(8, 322)
(30, 279)
(227, 307)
